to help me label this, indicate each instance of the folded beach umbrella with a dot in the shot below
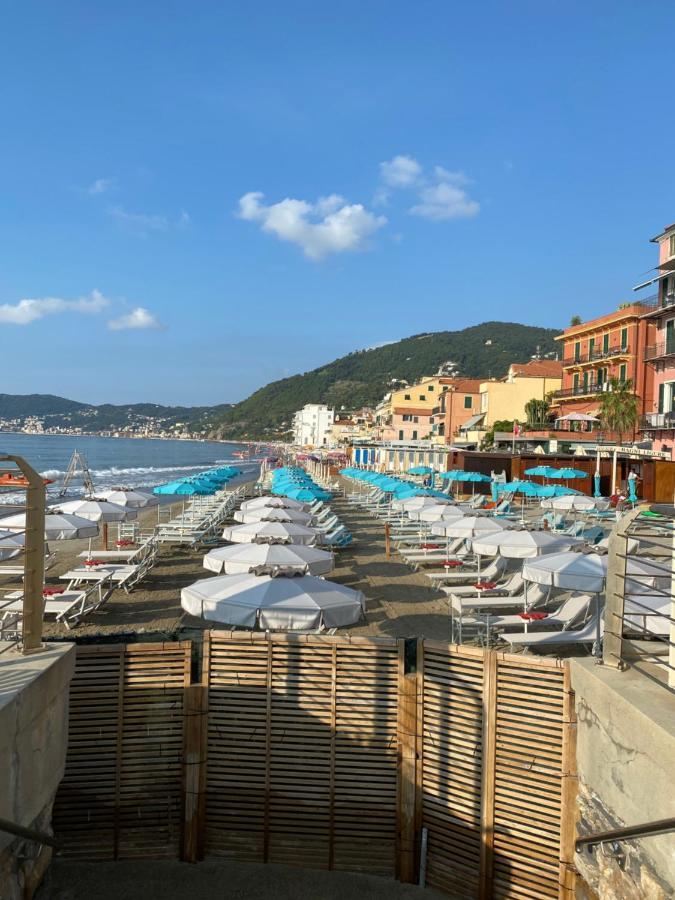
(271, 532)
(97, 510)
(265, 514)
(272, 503)
(129, 498)
(287, 603)
(58, 526)
(241, 558)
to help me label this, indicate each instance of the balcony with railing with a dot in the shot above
(581, 390)
(664, 421)
(597, 355)
(662, 350)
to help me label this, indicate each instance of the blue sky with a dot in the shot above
(201, 198)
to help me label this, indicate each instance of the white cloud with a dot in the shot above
(137, 320)
(328, 226)
(442, 194)
(444, 201)
(100, 186)
(26, 311)
(401, 171)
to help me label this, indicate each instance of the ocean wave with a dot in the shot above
(115, 471)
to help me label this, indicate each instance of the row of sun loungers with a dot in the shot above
(201, 521)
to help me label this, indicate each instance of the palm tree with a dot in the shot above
(619, 407)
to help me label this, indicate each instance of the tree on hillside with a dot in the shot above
(536, 412)
(619, 407)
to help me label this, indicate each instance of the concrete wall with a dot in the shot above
(625, 761)
(33, 742)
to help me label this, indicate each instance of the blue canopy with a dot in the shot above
(543, 471)
(570, 473)
(421, 470)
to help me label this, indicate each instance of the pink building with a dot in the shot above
(659, 423)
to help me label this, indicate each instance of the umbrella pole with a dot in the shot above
(105, 536)
(597, 650)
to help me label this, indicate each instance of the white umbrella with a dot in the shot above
(586, 572)
(241, 558)
(11, 544)
(97, 510)
(267, 514)
(440, 512)
(271, 532)
(521, 544)
(58, 526)
(299, 603)
(129, 498)
(273, 503)
(466, 527)
(415, 504)
(578, 502)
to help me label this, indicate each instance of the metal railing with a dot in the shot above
(656, 351)
(647, 829)
(640, 603)
(597, 354)
(659, 420)
(581, 390)
(26, 562)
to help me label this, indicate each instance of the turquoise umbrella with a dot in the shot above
(567, 474)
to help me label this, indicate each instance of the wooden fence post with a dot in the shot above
(194, 777)
(407, 760)
(488, 775)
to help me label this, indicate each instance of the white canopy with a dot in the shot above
(97, 510)
(58, 526)
(439, 513)
(272, 502)
(129, 498)
(272, 514)
(466, 527)
(291, 604)
(11, 544)
(271, 532)
(415, 504)
(577, 417)
(577, 502)
(586, 572)
(241, 558)
(521, 544)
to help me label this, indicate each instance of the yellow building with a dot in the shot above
(506, 399)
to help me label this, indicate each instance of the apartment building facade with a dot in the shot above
(608, 347)
(659, 411)
(458, 403)
(312, 425)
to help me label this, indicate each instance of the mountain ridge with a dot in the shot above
(360, 378)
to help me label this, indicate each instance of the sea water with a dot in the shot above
(122, 462)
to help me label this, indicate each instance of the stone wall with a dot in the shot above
(625, 762)
(33, 743)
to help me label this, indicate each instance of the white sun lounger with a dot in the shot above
(572, 611)
(585, 635)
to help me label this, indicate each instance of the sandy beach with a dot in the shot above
(400, 603)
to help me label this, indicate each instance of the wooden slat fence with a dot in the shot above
(302, 750)
(496, 760)
(122, 795)
(327, 752)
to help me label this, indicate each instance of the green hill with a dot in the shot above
(363, 377)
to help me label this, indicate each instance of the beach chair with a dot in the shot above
(491, 572)
(511, 586)
(587, 634)
(572, 611)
